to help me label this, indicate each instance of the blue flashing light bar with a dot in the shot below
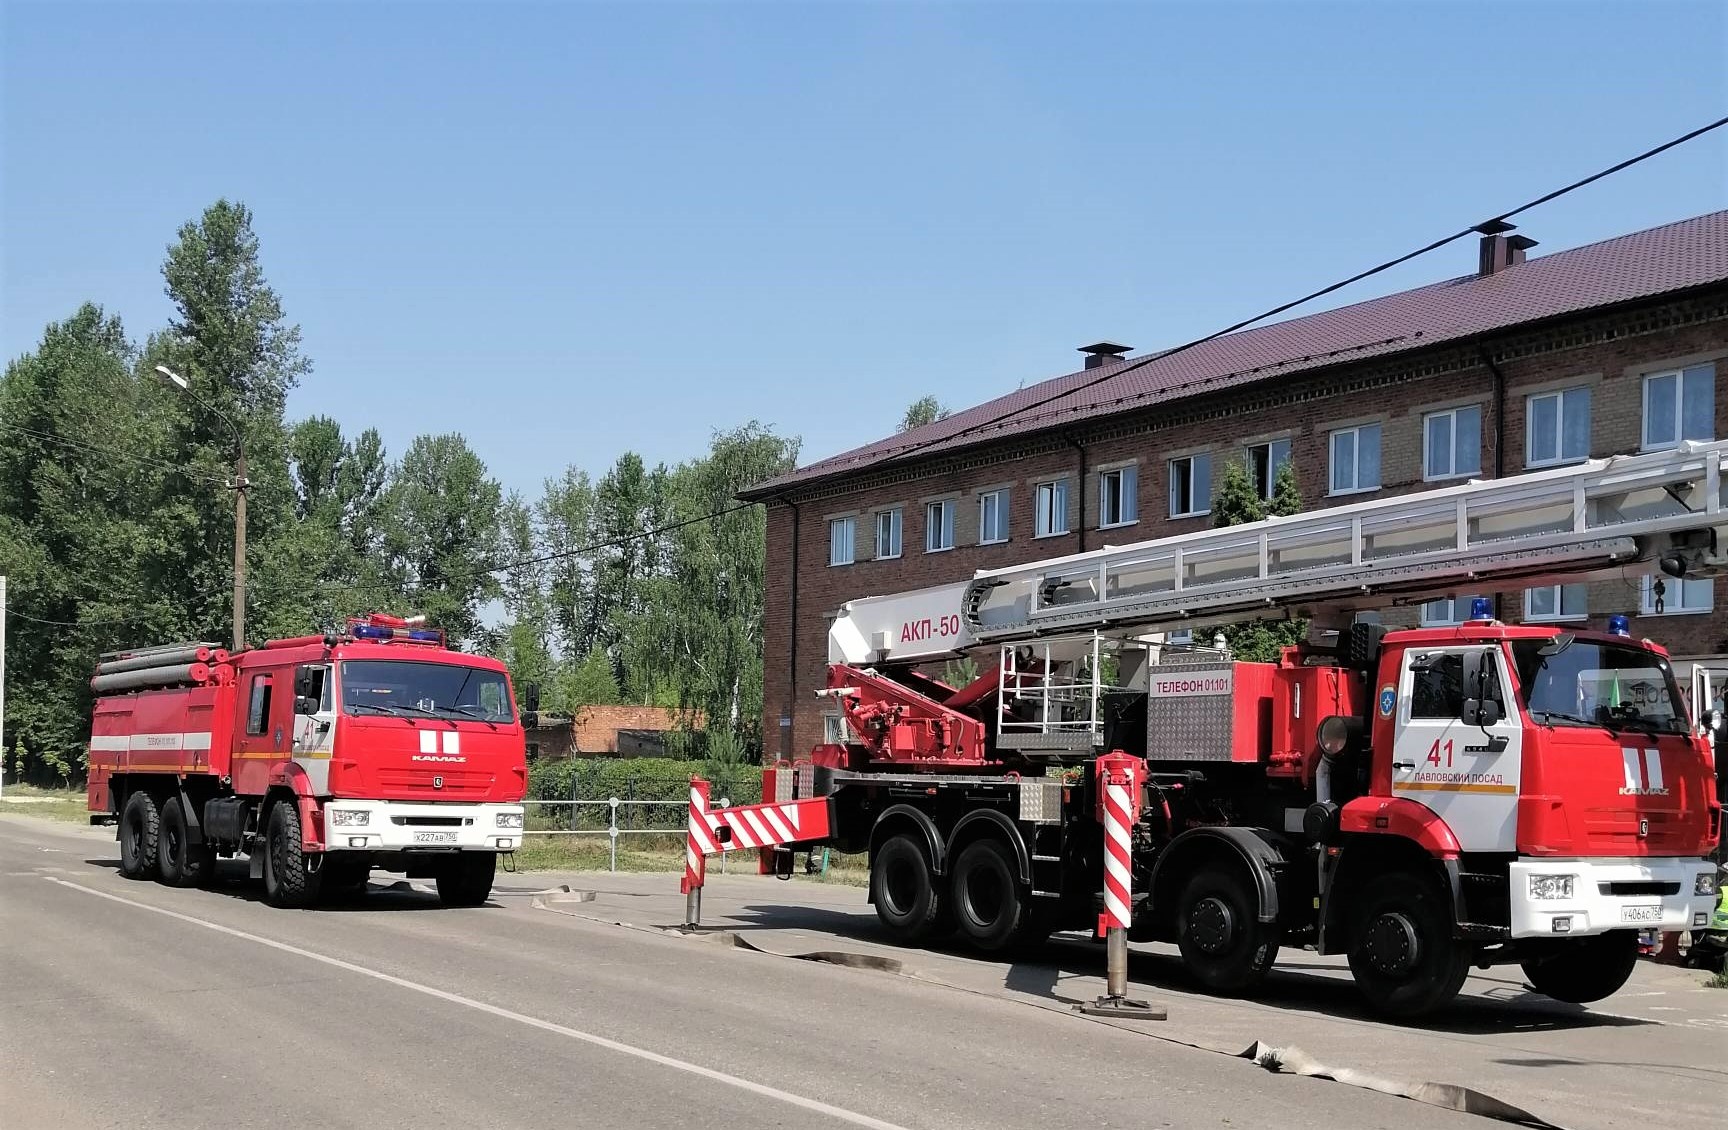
(384, 633)
(1619, 625)
(1481, 608)
(370, 632)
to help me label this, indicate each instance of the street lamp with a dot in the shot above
(239, 485)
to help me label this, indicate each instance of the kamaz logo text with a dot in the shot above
(436, 757)
(1643, 772)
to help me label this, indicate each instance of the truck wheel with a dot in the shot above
(467, 879)
(904, 891)
(140, 831)
(287, 881)
(181, 864)
(991, 908)
(1223, 942)
(1402, 953)
(1582, 970)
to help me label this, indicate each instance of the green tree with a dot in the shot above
(441, 533)
(1235, 503)
(565, 517)
(924, 410)
(587, 683)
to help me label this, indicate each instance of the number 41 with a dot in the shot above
(1434, 753)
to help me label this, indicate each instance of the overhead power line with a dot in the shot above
(110, 453)
(1115, 371)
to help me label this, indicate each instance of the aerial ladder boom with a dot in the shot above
(1604, 517)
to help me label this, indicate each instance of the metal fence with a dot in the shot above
(613, 818)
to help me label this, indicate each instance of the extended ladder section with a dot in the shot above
(1596, 518)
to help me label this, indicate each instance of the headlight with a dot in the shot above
(350, 818)
(1705, 884)
(509, 819)
(1551, 886)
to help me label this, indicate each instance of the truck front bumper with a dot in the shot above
(388, 825)
(1608, 894)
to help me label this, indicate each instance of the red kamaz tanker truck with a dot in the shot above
(320, 758)
(1420, 801)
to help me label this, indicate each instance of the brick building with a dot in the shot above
(608, 731)
(1526, 362)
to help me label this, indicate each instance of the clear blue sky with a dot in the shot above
(571, 229)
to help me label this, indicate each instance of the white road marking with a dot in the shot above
(762, 1089)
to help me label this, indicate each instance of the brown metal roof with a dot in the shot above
(1645, 264)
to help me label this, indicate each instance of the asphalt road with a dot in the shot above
(129, 1004)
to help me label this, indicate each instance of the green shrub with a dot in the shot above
(634, 779)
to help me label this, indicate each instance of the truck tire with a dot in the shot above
(180, 862)
(140, 836)
(288, 883)
(991, 908)
(467, 879)
(908, 903)
(1223, 942)
(1402, 953)
(1583, 970)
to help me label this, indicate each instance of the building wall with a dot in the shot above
(1610, 356)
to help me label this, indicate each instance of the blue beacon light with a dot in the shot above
(1481, 608)
(1619, 625)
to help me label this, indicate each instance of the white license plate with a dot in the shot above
(1640, 914)
(434, 837)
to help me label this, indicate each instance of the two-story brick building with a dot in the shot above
(1526, 362)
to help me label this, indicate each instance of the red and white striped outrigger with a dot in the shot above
(775, 823)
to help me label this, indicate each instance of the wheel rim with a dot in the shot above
(984, 896)
(1393, 946)
(171, 846)
(134, 841)
(899, 886)
(1211, 925)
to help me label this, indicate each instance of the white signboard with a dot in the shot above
(1193, 684)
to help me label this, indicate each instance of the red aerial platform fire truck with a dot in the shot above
(320, 757)
(1420, 801)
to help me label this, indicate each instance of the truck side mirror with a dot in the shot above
(305, 704)
(1481, 708)
(531, 698)
(305, 685)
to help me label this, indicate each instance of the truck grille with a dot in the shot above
(1638, 887)
(417, 783)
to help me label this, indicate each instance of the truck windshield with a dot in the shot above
(392, 686)
(1567, 680)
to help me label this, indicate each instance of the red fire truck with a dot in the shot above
(319, 757)
(1420, 801)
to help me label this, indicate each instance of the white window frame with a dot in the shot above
(1679, 422)
(1127, 481)
(1049, 507)
(1561, 397)
(834, 729)
(1460, 611)
(837, 555)
(1273, 466)
(1429, 475)
(939, 525)
(1675, 587)
(1559, 615)
(1000, 497)
(1355, 431)
(896, 519)
(1188, 461)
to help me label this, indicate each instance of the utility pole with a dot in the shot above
(238, 486)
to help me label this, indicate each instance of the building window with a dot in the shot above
(1447, 612)
(939, 526)
(992, 517)
(1264, 459)
(1452, 443)
(1356, 459)
(1182, 638)
(842, 535)
(1050, 509)
(1679, 405)
(888, 534)
(1117, 504)
(1557, 427)
(1556, 602)
(258, 706)
(833, 729)
(1681, 596)
(1190, 486)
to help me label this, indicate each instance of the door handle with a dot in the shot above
(1403, 765)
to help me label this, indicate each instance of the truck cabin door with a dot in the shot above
(1457, 746)
(314, 709)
